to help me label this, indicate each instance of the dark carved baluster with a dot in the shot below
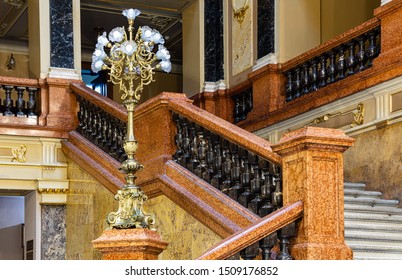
(277, 196)
(120, 153)
(289, 86)
(80, 114)
(246, 196)
(251, 252)
(178, 138)
(314, 75)
(255, 185)
(201, 149)
(227, 167)
(8, 102)
(31, 104)
(331, 67)
(235, 189)
(267, 189)
(284, 236)
(372, 50)
(96, 126)
(305, 78)
(296, 84)
(237, 109)
(113, 147)
(20, 104)
(351, 60)
(322, 73)
(341, 65)
(266, 245)
(361, 54)
(209, 158)
(193, 162)
(185, 145)
(218, 164)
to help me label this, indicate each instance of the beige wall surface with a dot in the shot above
(299, 27)
(21, 65)
(376, 159)
(193, 49)
(341, 15)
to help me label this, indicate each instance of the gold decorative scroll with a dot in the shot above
(14, 153)
(358, 116)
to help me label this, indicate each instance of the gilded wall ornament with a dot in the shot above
(240, 13)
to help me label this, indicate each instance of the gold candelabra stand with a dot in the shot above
(131, 61)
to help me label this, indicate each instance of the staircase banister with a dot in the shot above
(332, 43)
(14, 81)
(255, 232)
(102, 102)
(180, 104)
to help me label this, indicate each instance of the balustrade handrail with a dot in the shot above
(255, 232)
(180, 104)
(106, 104)
(14, 81)
(230, 132)
(331, 44)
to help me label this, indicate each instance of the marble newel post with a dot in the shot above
(313, 173)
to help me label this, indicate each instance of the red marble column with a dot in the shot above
(129, 244)
(313, 173)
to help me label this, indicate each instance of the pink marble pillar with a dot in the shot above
(129, 244)
(313, 173)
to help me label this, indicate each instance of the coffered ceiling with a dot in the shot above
(102, 15)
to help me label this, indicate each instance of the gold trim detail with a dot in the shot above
(52, 191)
(19, 154)
(240, 13)
(358, 116)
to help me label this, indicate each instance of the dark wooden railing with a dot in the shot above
(279, 221)
(214, 155)
(245, 177)
(19, 100)
(337, 63)
(243, 104)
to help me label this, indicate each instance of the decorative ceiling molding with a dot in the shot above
(15, 8)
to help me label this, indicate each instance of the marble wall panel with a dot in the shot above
(242, 37)
(61, 28)
(213, 25)
(53, 240)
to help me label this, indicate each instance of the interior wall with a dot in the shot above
(339, 16)
(298, 27)
(376, 160)
(21, 65)
(33, 222)
(11, 211)
(193, 48)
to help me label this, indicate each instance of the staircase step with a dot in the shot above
(375, 252)
(371, 201)
(373, 209)
(366, 237)
(360, 193)
(372, 217)
(354, 186)
(373, 226)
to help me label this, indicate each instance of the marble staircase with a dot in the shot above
(373, 226)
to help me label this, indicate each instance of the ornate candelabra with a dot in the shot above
(131, 61)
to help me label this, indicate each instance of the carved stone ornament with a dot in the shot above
(19, 154)
(240, 13)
